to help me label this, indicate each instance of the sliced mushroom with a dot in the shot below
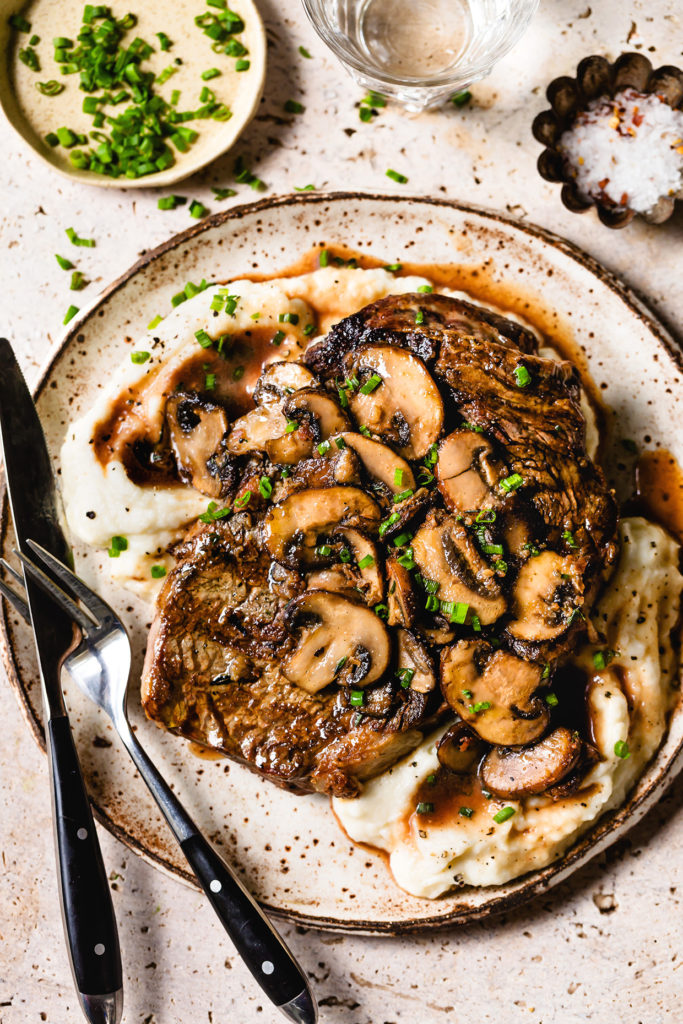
(546, 595)
(467, 471)
(360, 576)
(459, 748)
(414, 656)
(265, 428)
(516, 773)
(405, 407)
(380, 462)
(494, 692)
(339, 641)
(444, 551)
(318, 410)
(197, 429)
(401, 599)
(292, 528)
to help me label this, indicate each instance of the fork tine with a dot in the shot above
(16, 601)
(86, 622)
(12, 572)
(98, 608)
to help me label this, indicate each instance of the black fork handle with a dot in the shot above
(87, 910)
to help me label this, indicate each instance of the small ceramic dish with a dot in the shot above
(33, 115)
(596, 77)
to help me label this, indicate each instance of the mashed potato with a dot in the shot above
(629, 701)
(101, 501)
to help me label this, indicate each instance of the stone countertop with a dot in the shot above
(605, 944)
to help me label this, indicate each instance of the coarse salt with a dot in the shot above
(626, 151)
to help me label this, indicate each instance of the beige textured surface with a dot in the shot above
(603, 946)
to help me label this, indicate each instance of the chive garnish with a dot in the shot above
(503, 815)
(140, 357)
(511, 483)
(242, 65)
(18, 22)
(522, 376)
(621, 749)
(294, 107)
(466, 812)
(118, 544)
(371, 383)
(63, 262)
(171, 202)
(50, 88)
(356, 698)
(243, 500)
(324, 257)
(397, 177)
(366, 562)
(203, 338)
(70, 314)
(304, 53)
(551, 700)
(424, 807)
(197, 209)
(78, 281)
(223, 193)
(158, 572)
(427, 289)
(87, 243)
(210, 73)
(265, 487)
(460, 99)
(304, 188)
(568, 538)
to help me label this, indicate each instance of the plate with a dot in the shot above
(289, 849)
(31, 114)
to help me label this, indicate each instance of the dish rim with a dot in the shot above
(601, 834)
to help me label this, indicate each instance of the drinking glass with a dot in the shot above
(420, 52)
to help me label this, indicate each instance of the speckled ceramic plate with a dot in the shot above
(289, 849)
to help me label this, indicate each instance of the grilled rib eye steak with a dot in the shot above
(416, 529)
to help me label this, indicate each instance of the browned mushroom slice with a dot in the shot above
(494, 692)
(197, 429)
(516, 773)
(467, 471)
(380, 462)
(415, 665)
(546, 595)
(338, 641)
(291, 529)
(459, 748)
(318, 410)
(359, 576)
(265, 428)
(396, 399)
(401, 599)
(444, 552)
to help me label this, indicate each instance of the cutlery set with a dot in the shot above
(76, 632)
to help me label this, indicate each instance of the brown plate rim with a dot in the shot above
(599, 837)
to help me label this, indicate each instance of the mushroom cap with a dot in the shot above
(264, 428)
(339, 641)
(406, 407)
(513, 773)
(459, 748)
(546, 594)
(319, 410)
(381, 462)
(292, 527)
(197, 428)
(467, 471)
(414, 656)
(401, 598)
(362, 576)
(494, 692)
(444, 551)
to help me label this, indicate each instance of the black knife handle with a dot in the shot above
(261, 948)
(87, 910)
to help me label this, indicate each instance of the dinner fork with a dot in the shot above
(100, 666)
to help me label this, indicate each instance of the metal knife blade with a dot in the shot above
(87, 911)
(33, 501)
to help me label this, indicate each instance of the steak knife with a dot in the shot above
(87, 911)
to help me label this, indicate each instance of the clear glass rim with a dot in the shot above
(464, 75)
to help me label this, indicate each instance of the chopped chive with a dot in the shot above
(265, 487)
(398, 476)
(223, 193)
(87, 243)
(52, 139)
(511, 483)
(476, 623)
(459, 614)
(170, 202)
(356, 698)
(294, 107)
(522, 376)
(366, 562)
(118, 544)
(210, 73)
(371, 383)
(344, 555)
(210, 381)
(323, 447)
(340, 442)
(238, 373)
(154, 322)
(304, 188)
(482, 705)
(568, 537)
(503, 815)
(140, 357)
(427, 289)
(50, 88)
(424, 807)
(381, 611)
(420, 317)
(197, 209)
(203, 338)
(78, 281)
(551, 700)
(340, 665)
(288, 318)
(396, 176)
(243, 500)
(242, 65)
(29, 57)
(461, 99)
(405, 676)
(492, 549)
(323, 551)
(403, 496)
(278, 338)
(70, 314)
(63, 262)
(304, 53)
(621, 749)
(393, 268)
(292, 425)
(18, 22)
(165, 43)
(158, 572)
(466, 812)
(324, 257)
(308, 329)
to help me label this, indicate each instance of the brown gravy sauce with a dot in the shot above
(659, 490)
(126, 423)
